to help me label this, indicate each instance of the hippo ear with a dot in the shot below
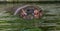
(40, 12)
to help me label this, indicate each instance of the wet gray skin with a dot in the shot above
(30, 13)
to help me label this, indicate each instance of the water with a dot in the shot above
(9, 22)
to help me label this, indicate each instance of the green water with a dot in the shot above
(9, 22)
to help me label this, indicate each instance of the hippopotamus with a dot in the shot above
(28, 12)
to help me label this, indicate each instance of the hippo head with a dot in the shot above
(28, 12)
